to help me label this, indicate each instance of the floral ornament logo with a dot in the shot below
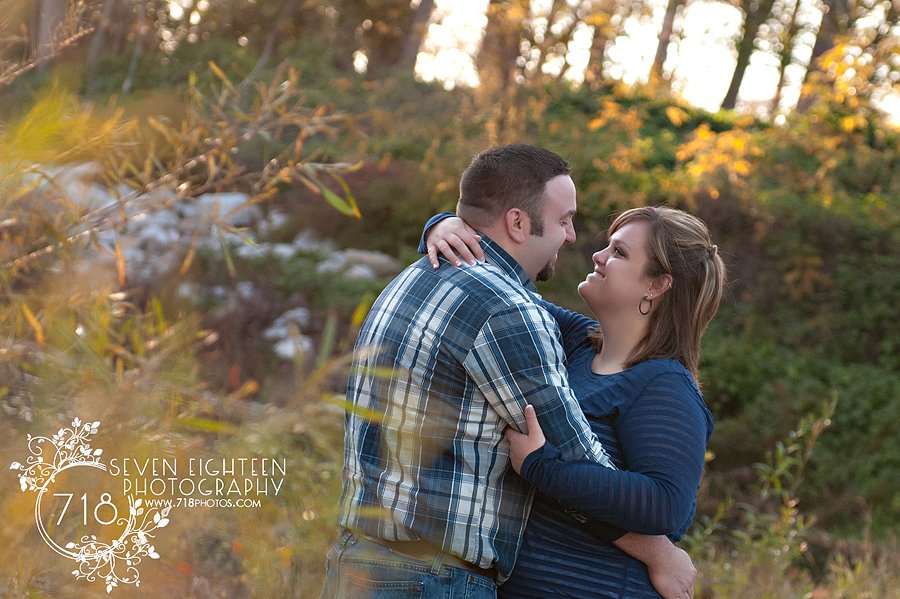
(114, 562)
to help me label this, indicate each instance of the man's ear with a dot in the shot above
(518, 224)
(660, 285)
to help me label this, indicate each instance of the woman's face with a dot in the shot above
(619, 281)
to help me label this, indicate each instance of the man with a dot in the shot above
(445, 361)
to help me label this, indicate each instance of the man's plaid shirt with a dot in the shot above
(444, 362)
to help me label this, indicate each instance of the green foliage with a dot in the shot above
(766, 546)
(805, 215)
(758, 556)
(156, 72)
(80, 340)
(856, 462)
(756, 388)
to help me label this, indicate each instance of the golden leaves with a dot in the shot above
(852, 123)
(612, 114)
(731, 153)
(676, 115)
(35, 324)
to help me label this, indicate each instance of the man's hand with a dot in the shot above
(521, 445)
(672, 573)
(455, 240)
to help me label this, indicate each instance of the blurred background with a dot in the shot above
(200, 199)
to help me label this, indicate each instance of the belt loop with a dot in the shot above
(438, 564)
(347, 538)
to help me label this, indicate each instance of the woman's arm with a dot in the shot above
(663, 436)
(663, 489)
(452, 237)
(573, 326)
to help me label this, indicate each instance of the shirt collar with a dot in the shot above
(497, 255)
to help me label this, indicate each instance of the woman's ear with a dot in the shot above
(661, 285)
(518, 224)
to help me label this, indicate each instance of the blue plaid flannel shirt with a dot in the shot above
(444, 362)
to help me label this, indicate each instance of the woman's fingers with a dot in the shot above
(432, 255)
(535, 432)
(473, 243)
(455, 240)
(521, 445)
(457, 248)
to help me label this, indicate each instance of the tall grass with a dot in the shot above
(79, 341)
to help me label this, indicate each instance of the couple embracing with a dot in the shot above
(499, 445)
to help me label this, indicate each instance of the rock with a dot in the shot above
(271, 223)
(307, 241)
(359, 272)
(359, 264)
(231, 208)
(291, 347)
(381, 264)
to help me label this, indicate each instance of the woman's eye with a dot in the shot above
(618, 252)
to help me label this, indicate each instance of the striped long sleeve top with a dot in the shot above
(654, 423)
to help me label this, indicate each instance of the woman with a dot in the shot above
(653, 290)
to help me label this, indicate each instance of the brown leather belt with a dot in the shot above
(424, 551)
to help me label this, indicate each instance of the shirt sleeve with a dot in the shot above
(517, 360)
(430, 223)
(663, 436)
(573, 326)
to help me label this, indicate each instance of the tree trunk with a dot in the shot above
(756, 14)
(665, 37)
(601, 19)
(602, 23)
(543, 47)
(394, 33)
(789, 41)
(138, 50)
(835, 19)
(98, 43)
(50, 17)
(415, 34)
(496, 61)
(289, 11)
(498, 69)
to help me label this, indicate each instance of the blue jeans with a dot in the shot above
(360, 569)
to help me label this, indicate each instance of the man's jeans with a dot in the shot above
(360, 569)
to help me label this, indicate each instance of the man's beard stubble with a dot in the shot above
(546, 273)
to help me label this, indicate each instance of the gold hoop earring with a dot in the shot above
(641, 305)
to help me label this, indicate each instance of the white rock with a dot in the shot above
(359, 264)
(249, 252)
(168, 219)
(272, 222)
(281, 327)
(307, 241)
(232, 208)
(277, 332)
(300, 315)
(381, 264)
(359, 272)
(158, 236)
(335, 262)
(292, 347)
(282, 251)
(188, 290)
(246, 290)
